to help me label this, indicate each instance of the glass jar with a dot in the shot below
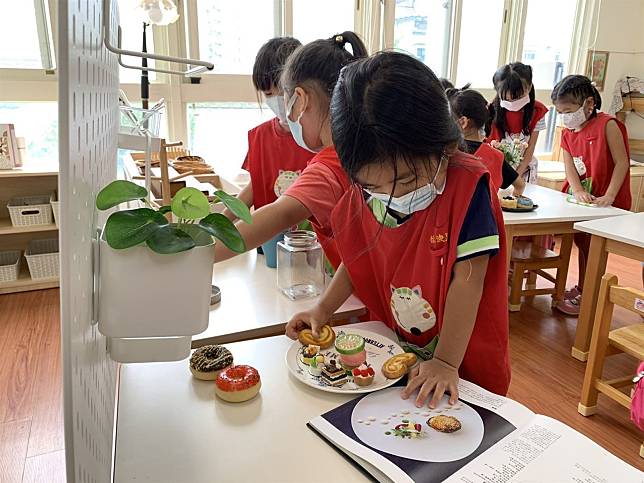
(300, 265)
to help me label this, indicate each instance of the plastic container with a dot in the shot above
(300, 265)
(9, 265)
(43, 259)
(269, 249)
(31, 210)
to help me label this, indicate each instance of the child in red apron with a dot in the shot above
(307, 82)
(516, 115)
(470, 110)
(274, 160)
(419, 231)
(596, 157)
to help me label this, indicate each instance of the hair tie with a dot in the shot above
(593, 83)
(339, 39)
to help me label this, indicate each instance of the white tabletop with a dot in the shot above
(251, 305)
(553, 207)
(626, 229)
(171, 427)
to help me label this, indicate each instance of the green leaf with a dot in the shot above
(125, 229)
(223, 229)
(165, 209)
(118, 192)
(199, 235)
(170, 239)
(237, 206)
(190, 204)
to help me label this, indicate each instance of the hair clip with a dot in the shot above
(593, 83)
(339, 39)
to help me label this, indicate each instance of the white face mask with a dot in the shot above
(413, 201)
(276, 104)
(572, 120)
(296, 127)
(517, 104)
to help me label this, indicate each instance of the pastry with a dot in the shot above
(327, 336)
(509, 202)
(238, 384)
(398, 365)
(363, 375)
(524, 202)
(315, 367)
(208, 361)
(351, 350)
(444, 424)
(333, 374)
(309, 353)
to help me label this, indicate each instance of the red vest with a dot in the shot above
(274, 161)
(492, 159)
(591, 148)
(402, 274)
(514, 122)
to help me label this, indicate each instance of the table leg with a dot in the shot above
(509, 235)
(595, 269)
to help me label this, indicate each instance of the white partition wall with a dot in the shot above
(88, 123)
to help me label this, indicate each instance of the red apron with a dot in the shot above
(402, 274)
(514, 122)
(593, 159)
(492, 159)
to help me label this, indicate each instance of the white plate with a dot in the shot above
(378, 347)
(432, 446)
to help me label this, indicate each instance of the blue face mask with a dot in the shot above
(276, 104)
(295, 126)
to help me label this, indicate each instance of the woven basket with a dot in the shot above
(9, 265)
(42, 258)
(55, 207)
(31, 210)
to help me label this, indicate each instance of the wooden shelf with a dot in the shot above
(25, 283)
(6, 228)
(31, 169)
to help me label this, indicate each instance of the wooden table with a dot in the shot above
(251, 305)
(171, 427)
(622, 235)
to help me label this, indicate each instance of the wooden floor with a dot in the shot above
(545, 378)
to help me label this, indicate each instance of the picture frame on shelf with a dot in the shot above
(596, 67)
(8, 147)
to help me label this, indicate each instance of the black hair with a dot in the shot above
(319, 62)
(511, 80)
(390, 107)
(446, 83)
(270, 60)
(470, 104)
(577, 88)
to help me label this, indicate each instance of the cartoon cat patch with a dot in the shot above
(284, 180)
(412, 312)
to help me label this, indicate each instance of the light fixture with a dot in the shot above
(158, 12)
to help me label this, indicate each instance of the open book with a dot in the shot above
(498, 440)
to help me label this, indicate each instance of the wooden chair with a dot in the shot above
(606, 342)
(529, 260)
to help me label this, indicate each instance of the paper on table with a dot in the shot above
(517, 414)
(572, 199)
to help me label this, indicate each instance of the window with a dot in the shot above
(321, 20)
(25, 35)
(37, 122)
(231, 32)
(547, 39)
(217, 131)
(480, 40)
(132, 39)
(422, 28)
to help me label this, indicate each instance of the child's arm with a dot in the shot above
(461, 307)
(528, 154)
(618, 152)
(572, 176)
(268, 221)
(339, 290)
(511, 177)
(246, 196)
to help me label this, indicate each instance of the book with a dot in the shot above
(498, 441)
(8, 147)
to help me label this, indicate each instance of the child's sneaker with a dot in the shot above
(570, 306)
(572, 293)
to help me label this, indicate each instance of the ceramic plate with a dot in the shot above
(378, 347)
(520, 210)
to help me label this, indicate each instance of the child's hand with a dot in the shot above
(314, 318)
(583, 196)
(606, 200)
(432, 375)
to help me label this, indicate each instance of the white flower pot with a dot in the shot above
(144, 349)
(145, 294)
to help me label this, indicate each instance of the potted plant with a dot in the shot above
(155, 275)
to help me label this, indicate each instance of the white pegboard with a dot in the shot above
(88, 117)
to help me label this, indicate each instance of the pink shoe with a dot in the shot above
(572, 293)
(569, 307)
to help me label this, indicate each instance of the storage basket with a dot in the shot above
(30, 210)
(55, 208)
(9, 265)
(42, 258)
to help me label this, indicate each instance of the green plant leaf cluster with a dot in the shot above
(196, 225)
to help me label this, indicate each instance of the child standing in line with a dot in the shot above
(308, 80)
(515, 114)
(430, 272)
(470, 110)
(596, 157)
(274, 160)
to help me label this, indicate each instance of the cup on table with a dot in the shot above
(270, 250)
